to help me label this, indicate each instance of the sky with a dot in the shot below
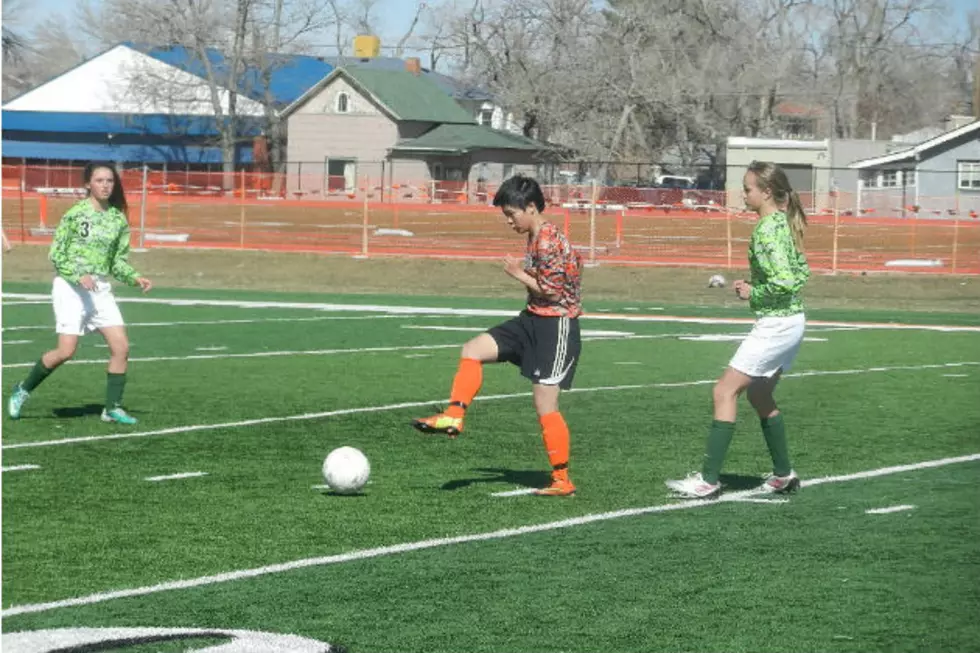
(393, 16)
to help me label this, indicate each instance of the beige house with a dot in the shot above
(397, 129)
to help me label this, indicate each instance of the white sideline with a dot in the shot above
(408, 547)
(329, 352)
(257, 320)
(252, 354)
(174, 477)
(480, 312)
(430, 402)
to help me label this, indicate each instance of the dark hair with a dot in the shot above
(117, 199)
(770, 177)
(520, 192)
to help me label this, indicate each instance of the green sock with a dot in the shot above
(775, 433)
(714, 456)
(114, 386)
(38, 373)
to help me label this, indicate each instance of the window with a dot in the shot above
(908, 177)
(870, 178)
(485, 117)
(343, 103)
(968, 175)
(508, 170)
(889, 179)
(341, 174)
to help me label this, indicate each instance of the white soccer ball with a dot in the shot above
(716, 281)
(346, 470)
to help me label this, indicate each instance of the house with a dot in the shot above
(939, 176)
(814, 168)
(145, 105)
(398, 129)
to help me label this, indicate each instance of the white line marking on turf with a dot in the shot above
(480, 312)
(514, 493)
(885, 511)
(254, 321)
(956, 376)
(17, 342)
(760, 500)
(19, 468)
(731, 337)
(585, 333)
(430, 402)
(254, 354)
(418, 355)
(408, 547)
(216, 348)
(172, 477)
(39, 301)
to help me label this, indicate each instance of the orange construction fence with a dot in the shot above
(371, 219)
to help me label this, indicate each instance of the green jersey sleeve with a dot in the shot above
(121, 269)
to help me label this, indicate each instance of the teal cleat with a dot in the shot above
(17, 401)
(118, 415)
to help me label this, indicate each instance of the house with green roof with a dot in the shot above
(400, 130)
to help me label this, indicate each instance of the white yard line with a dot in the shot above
(254, 354)
(408, 547)
(479, 312)
(258, 320)
(173, 477)
(19, 468)
(891, 509)
(429, 402)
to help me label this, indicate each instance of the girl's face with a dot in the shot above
(521, 221)
(753, 196)
(101, 184)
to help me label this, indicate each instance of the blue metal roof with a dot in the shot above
(179, 154)
(291, 74)
(116, 123)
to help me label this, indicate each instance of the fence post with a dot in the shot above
(956, 239)
(568, 222)
(241, 227)
(143, 195)
(833, 264)
(23, 227)
(619, 228)
(595, 196)
(728, 237)
(364, 224)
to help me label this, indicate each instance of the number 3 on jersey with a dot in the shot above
(83, 228)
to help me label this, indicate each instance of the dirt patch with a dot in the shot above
(319, 273)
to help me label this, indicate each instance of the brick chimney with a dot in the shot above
(413, 65)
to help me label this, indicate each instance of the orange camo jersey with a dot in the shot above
(558, 269)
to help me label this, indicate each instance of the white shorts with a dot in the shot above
(78, 311)
(771, 346)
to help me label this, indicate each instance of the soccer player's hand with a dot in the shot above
(144, 284)
(87, 282)
(513, 266)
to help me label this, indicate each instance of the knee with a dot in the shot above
(723, 392)
(469, 350)
(120, 350)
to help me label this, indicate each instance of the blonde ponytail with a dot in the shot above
(796, 218)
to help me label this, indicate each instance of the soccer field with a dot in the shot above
(208, 516)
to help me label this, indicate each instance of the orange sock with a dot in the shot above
(554, 431)
(469, 378)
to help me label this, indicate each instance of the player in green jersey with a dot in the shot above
(778, 273)
(90, 244)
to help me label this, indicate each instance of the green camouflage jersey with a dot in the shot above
(779, 271)
(89, 241)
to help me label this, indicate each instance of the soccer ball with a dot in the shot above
(716, 281)
(346, 470)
